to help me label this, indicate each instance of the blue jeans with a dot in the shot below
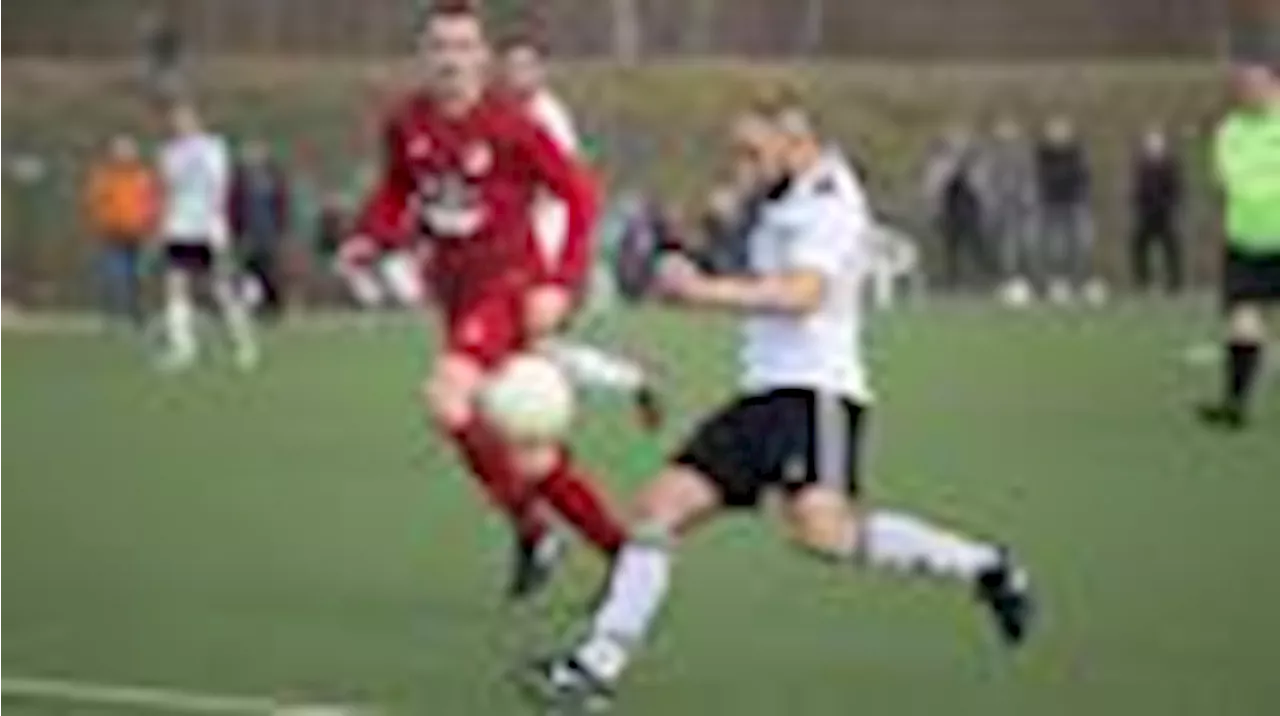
(120, 282)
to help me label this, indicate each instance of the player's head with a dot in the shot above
(454, 50)
(794, 133)
(1255, 83)
(184, 119)
(123, 148)
(522, 65)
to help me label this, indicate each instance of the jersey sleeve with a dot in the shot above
(550, 166)
(553, 116)
(834, 236)
(383, 216)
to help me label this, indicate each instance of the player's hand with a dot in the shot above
(357, 252)
(546, 309)
(677, 277)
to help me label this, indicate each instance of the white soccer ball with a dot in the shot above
(528, 399)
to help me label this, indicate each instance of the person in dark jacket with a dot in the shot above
(1155, 197)
(954, 185)
(260, 220)
(1066, 225)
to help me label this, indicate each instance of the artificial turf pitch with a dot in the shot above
(296, 534)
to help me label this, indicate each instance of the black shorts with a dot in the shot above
(191, 256)
(788, 438)
(1250, 278)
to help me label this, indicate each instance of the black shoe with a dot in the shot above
(564, 686)
(535, 562)
(1005, 589)
(649, 408)
(1221, 415)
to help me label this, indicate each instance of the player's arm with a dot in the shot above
(681, 281)
(553, 167)
(380, 224)
(817, 251)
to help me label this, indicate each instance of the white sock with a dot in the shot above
(179, 325)
(637, 589)
(593, 367)
(903, 542)
(239, 323)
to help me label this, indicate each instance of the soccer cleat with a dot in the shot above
(648, 408)
(563, 685)
(1222, 415)
(534, 564)
(1005, 589)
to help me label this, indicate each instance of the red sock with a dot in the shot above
(573, 494)
(487, 458)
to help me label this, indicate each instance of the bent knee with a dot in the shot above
(823, 523)
(448, 395)
(675, 501)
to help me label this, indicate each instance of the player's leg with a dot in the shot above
(1242, 358)
(449, 397)
(591, 367)
(1250, 283)
(721, 466)
(179, 314)
(680, 498)
(822, 518)
(235, 311)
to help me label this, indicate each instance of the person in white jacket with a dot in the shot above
(523, 74)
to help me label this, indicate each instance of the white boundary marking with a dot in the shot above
(164, 700)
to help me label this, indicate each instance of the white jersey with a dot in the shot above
(819, 224)
(550, 214)
(196, 173)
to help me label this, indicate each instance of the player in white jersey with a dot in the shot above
(796, 428)
(524, 75)
(195, 170)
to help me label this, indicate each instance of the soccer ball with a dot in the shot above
(528, 399)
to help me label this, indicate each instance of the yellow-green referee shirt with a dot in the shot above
(1247, 159)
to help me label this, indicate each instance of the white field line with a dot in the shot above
(164, 700)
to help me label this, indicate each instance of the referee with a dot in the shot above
(1247, 160)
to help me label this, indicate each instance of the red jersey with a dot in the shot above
(467, 185)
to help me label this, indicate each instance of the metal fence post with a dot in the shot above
(627, 33)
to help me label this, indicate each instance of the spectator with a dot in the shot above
(1156, 195)
(1066, 226)
(954, 186)
(1010, 174)
(259, 214)
(122, 200)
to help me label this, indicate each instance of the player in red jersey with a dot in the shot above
(463, 168)
(523, 76)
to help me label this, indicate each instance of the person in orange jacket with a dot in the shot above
(122, 199)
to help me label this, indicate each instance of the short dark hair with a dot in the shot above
(522, 39)
(438, 9)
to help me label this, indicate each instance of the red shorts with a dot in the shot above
(488, 328)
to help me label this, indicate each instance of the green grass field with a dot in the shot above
(295, 533)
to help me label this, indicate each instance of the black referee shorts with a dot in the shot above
(787, 438)
(1250, 278)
